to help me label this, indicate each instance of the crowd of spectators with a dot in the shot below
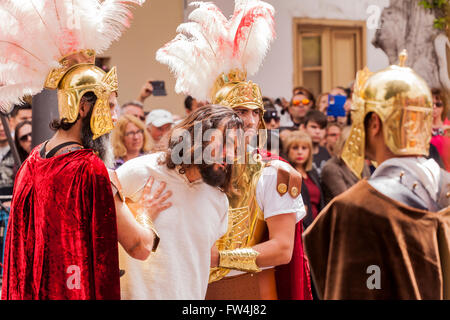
(301, 130)
(311, 139)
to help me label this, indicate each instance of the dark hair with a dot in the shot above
(133, 103)
(18, 107)
(317, 117)
(211, 117)
(23, 154)
(188, 103)
(268, 104)
(334, 124)
(57, 124)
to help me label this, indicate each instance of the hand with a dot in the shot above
(285, 103)
(331, 118)
(215, 257)
(154, 204)
(146, 91)
(342, 120)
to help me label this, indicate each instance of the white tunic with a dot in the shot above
(179, 269)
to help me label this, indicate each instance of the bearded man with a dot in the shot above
(198, 216)
(63, 228)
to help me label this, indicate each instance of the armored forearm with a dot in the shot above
(243, 259)
(144, 220)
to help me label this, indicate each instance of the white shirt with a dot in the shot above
(179, 269)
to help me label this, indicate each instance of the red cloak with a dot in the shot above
(62, 233)
(293, 279)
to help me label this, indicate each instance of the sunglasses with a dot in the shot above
(25, 137)
(298, 102)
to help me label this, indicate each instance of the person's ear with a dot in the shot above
(374, 125)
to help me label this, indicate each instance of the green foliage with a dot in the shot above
(443, 8)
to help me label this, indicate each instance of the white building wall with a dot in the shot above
(276, 74)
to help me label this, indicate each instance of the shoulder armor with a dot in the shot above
(287, 181)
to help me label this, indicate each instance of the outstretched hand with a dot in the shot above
(154, 203)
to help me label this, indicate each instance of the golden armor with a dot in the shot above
(246, 225)
(77, 76)
(404, 104)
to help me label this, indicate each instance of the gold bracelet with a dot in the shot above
(144, 220)
(243, 259)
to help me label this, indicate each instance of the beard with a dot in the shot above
(101, 145)
(215, 177)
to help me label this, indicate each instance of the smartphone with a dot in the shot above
(336, 106)
(159, 88)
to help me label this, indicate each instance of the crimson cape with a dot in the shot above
(293, 279)
(61, 241)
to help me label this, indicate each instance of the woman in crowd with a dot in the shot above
(22, 139)
(298, 149)
(322, 102)
(130, 139)
(336, 176)
(441, 127)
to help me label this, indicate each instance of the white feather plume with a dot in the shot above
(36, 34)
(210, 44)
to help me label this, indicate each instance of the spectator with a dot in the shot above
(300, 105)
(332, 133)
(22, 139)
(20, 113)
(322, 102)
(159, 122)
(298, 147)
(271, 118)
(314, 125)
(282, 106)
(134, 108)
(305, 92)
(7, 165)
(129, 139)
(441, 127)
(339, 91)
(336, 176)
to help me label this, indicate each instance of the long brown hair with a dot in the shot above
(209, 117)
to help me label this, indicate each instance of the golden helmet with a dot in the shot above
(404, 103)
(77, 76)
(232, 90)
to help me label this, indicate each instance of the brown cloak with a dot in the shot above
(362, 229)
